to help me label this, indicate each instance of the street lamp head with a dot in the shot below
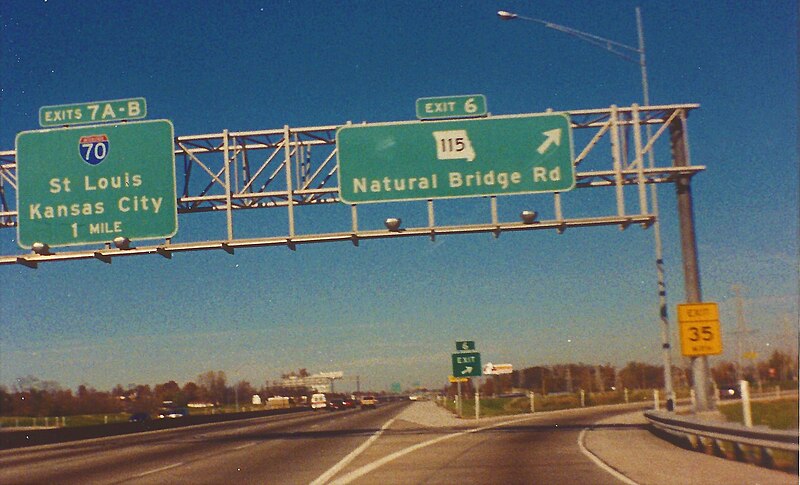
(122, 242)
(393, 224)
(528, 217)
(40, 248)
(506, 15)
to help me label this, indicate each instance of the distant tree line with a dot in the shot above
(779, 368)
(561, 378)
(31, 396)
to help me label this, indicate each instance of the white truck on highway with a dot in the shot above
(318, 401)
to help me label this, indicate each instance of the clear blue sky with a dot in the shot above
(390, 311)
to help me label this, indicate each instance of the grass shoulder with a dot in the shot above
(776, 414)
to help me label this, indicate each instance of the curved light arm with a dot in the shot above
(607, 44)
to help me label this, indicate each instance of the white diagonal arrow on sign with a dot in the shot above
(467, 370)
(553, 137)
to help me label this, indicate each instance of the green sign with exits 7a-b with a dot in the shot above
(467, 364)
(92, 112)
(91, 184)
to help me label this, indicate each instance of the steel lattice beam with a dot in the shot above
(293, 167)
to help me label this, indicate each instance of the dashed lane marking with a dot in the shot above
(159, 469)
(347, 459)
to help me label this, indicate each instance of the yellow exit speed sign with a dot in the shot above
(699, 329)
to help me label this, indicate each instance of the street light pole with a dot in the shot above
(662, 287)
(623, 51)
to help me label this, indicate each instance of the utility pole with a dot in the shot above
(569, 378)
(741, 332)
(598, 375)
(789, 339)
(740, 329)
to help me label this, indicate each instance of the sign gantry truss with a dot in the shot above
(290, 168)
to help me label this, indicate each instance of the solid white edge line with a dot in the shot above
(159, 469)
(355, 474)
(347, 459)
(597, 461)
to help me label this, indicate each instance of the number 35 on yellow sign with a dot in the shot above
(699, 329)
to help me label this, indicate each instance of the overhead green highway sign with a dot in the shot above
(92, 112)
(420, 160)
(93, 184)
(467, 364)
(469, 106)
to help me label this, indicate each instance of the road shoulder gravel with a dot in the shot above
(427, 413)
(623, 443)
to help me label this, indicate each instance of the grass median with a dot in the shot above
(506, 406)
(775, 414)
(75, 420)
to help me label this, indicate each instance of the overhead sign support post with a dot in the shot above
(691, 265)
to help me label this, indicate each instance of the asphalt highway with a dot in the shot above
(543, 449)
(395, 443)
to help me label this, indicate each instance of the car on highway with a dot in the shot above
(139, 417)
(369, 402)
(730, 391)
(173, 413)
(318, 401)
(335, 405)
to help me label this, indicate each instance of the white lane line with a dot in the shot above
(347, 459)
(248, 445)
(597, 461)
(159, 469)
(360, 472)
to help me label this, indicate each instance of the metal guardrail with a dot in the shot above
(728, 440)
